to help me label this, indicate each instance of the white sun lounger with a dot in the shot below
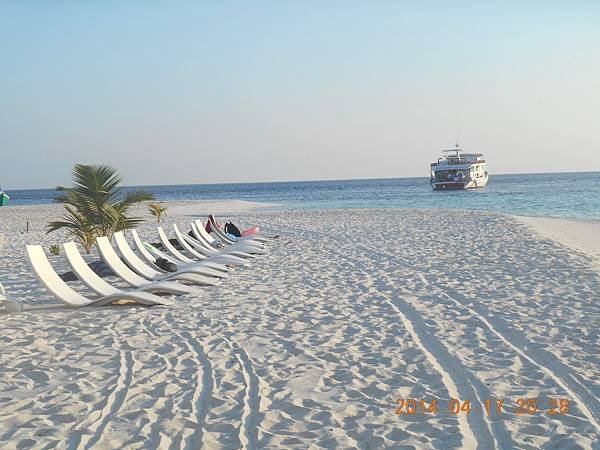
(227, 240)
(224, 238)
(192, 267)
(150, 252)
(257, 238)
(244, 246)
(67, 295)
(148, 271)
(181, 257)
(10, 304)
(115, 263)
(202, 254)
(145, 252)
(112, 260)
(200, 241)
(205, 234)
(203, 247)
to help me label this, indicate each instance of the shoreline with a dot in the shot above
(580, 235)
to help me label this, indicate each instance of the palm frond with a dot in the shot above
(96, 205)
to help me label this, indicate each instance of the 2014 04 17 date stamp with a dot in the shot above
(528, 406)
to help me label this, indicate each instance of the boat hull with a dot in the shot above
(448, 185)
(459, 185)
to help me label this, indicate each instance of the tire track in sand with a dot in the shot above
(203, 392)
(250, 420)
(544, 360)
(475, 429)
(115, 399)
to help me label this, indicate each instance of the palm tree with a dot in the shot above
(96, 205)
(157, 210)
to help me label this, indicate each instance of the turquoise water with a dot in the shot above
(574, 195)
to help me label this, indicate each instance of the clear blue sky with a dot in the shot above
(202, 92)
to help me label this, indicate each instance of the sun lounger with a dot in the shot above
(209, 250)
(257, 241)
(10, 304)
(200, 241)
(153, 272)
(143, 248)
(193, 267)
(205, 234)
(119, 268)
(181, 257)
(70, 297)
(150, 253)
(244, 246)
(202, 254)
(226, 239)
(257, 238)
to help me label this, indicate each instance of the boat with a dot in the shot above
(458, 170)
(4, 198)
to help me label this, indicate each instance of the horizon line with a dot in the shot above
(229, 183)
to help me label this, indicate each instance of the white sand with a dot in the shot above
(217, 207)
(311, 345)
(579, 235)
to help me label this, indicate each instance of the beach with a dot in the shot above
(312, 345)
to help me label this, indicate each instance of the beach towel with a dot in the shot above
(210, 223)
(251, 231)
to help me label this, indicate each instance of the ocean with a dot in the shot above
(574, 195)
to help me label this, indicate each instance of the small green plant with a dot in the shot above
(157, 210)
(55, 250)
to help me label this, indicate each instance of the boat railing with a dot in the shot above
(456, 163)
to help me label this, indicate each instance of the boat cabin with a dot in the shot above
(457, 170)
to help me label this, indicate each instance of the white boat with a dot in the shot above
(458, 170)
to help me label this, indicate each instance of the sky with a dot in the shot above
(224, 91)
